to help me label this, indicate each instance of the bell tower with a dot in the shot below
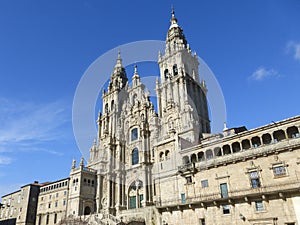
(181, 96)
(112, 100)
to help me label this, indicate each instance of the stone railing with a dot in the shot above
(186, 167)
(266, 189)
(279, 189)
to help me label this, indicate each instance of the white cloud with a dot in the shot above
(294, 48)
(262, 73)
(28, 127)
(5, 160)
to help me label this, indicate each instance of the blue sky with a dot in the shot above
(253, 48)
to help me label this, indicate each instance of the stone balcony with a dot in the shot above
(239, 195)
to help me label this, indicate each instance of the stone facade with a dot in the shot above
(20, 207)
(166, 167)
(52, 200)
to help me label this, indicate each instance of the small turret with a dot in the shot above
(135, 77)
(81, 163)
(73, 164)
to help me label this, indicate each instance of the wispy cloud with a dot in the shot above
(294, 48)
(26, 126)
(262, 73)
(4, 161)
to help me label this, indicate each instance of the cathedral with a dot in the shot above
(164, 166)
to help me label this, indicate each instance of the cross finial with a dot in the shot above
(173, 18)
(135, 69)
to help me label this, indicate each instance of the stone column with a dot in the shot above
(98, 193)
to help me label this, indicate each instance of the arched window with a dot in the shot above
(246, 144)
(167, 154)
(267, 139)
(236, 147)
(193, 158)
(255, 142)
(175, 70)
(209, 154)
(166, 73)
(278, 135)
(134, 134)
(218, 151)
(226, 150)
(135, 156)
(135, 195)
(200, 156)
(293, 132)
(161, 156)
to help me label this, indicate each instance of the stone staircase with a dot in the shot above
(93, 219)
(102, 219)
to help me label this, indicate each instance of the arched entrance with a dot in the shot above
(87, 210)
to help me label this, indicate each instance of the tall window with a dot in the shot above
(161, 156)
(183, 200)
(224, 190)
(134, 134)
(166, 73)
(132, 202)
(141, 199)
(254, 179)
(47, 219)
(55, 218)
(175, 70)
(40, 220)
(106, 108)
(135, 156)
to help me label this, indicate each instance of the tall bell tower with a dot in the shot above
(181, 96)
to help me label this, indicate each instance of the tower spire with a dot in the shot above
(119, 60)
(173, 18)
(118, 78)
(175, 33)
